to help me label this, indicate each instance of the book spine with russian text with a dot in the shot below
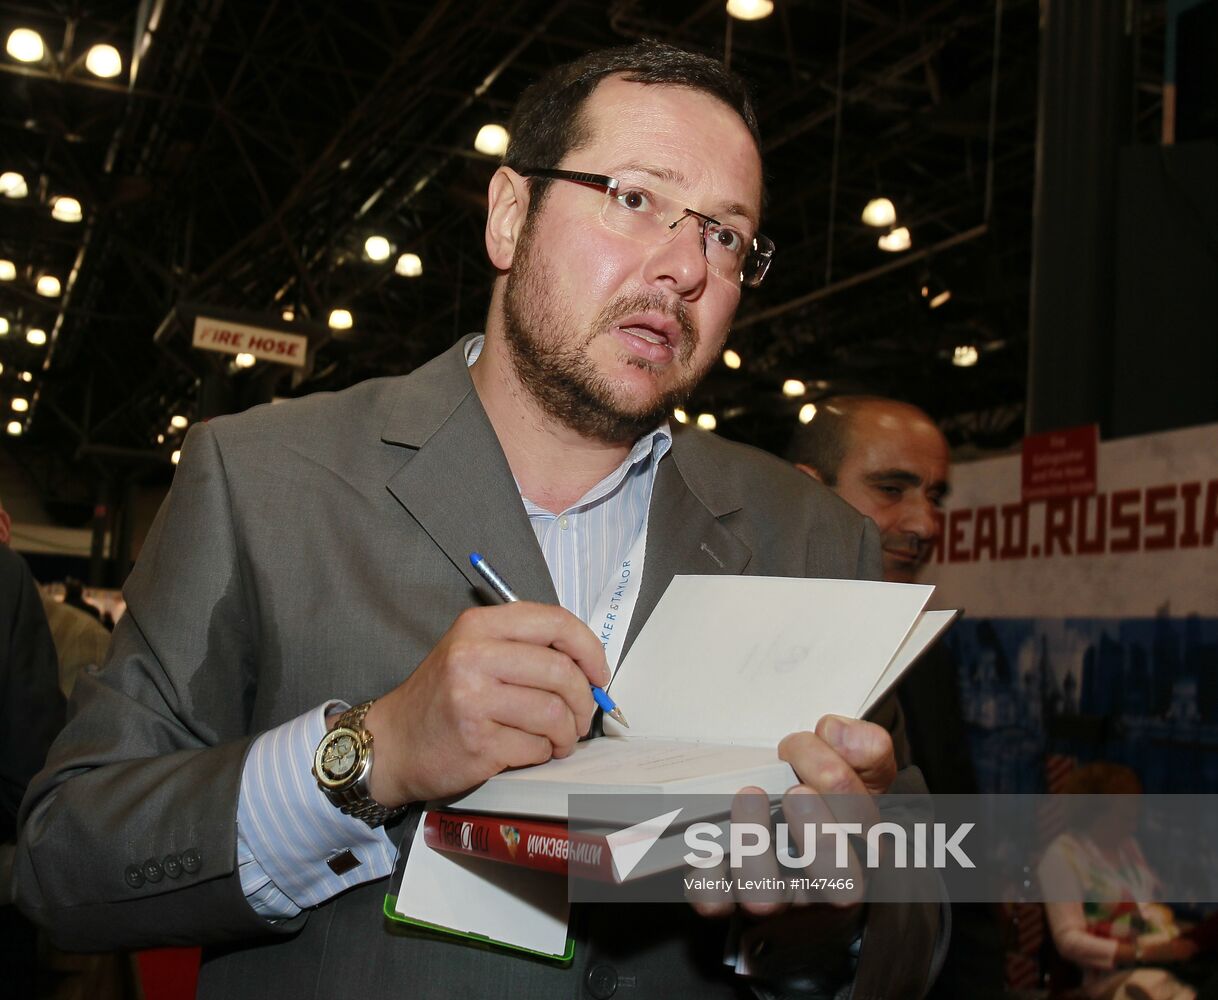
(528, 843)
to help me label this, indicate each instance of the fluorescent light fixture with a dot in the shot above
(942, 297)
(731, 359)
(8, 270)
(178, 422)
(66, 209)
(104, 61)
(14, 428)
(965, 357)
(25, 46)
(750, 10)
(341, 319)
(377, 248)
(48, 286)
(895, 241)
(20, 404)
(409, 265)
(491, 140)
(36, 337)
(174, 458)
(793, 387)
(707, 421)
(880, 212)
(244, 360)
(12, 185)
(807, 412)
(680, 416)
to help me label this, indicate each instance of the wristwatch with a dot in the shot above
(342, 765)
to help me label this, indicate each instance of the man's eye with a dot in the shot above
(635, 200)
(729, 239)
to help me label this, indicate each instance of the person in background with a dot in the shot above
(31, 714)
(1101, 891)
(890, 462)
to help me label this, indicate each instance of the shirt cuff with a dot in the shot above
(287, 827)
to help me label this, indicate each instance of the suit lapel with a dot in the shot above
(457, 484)
(684, 534)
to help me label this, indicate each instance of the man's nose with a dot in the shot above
(679, 262)
(921, 518)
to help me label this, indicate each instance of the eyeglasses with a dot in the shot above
(649, 216)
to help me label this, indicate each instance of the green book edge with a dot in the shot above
(391, 911)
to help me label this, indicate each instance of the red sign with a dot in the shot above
(239, 338)
(1060, 463)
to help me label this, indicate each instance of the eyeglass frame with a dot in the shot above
(611, 185)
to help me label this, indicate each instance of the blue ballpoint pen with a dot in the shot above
(506, 594)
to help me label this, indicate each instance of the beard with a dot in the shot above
(552, 362)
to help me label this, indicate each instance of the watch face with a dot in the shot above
(337, 757)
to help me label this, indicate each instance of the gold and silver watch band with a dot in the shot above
(355, 800)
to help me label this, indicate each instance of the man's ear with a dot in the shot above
(507, 204)
(807, 470)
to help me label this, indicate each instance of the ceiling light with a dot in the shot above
(680, 416)
(160, 439)
(409, 265)
(341, 319)
(20, 404)
(3, 327)
(48, 286)
(895, 241)
(750, 10)
(175, 456)
(66, 210)
(964, 357)
(1, 368)
(492, 140)
(244, 360)
(25, 46)
(288, 315)
(36, 337)
(942, 297)
(8, 270)
(26, 376)
(807, 412)
(12, 185)
(731, 359)
(880, 212)
(104, 61)
(707, 421)
(15, 428)
(178, 422)
(377, 248)
(793, 387)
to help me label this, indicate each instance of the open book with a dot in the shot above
(724, 668)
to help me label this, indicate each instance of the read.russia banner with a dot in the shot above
(1091, 622)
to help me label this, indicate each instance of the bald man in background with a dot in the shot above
(889, 461)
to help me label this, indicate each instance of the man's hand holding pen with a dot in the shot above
(505, 686)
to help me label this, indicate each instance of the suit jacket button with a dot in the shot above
(601, 981)
(192, 860)
(172, 865)
(152, 870)
(133, 876)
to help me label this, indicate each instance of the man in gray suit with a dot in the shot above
(180, 806)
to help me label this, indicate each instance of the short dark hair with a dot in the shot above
(548, 121)
(823, 441)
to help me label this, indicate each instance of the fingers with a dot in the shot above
(832, 871)
(761, 888)
(538, 713)
(541, 625)
(843, 757)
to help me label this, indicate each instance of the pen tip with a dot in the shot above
(474, 558)
(620, 717)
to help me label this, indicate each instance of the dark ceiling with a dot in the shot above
(260, 143)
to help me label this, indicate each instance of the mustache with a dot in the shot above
(657, 301)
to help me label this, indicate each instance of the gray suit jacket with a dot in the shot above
(319, 549)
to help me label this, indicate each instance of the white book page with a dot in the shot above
(501, 902)
(749, 659)
(926, 630)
